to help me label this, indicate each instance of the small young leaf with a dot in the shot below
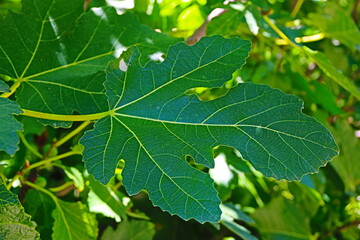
(14, 222)
(9, 126)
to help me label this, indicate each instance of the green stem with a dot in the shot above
(135, 215)
(70, 118)
(304, 39)
(71, 134)
(53, 197)
(297, 7)
(43, 162)
(12, 88)
(16, 177)
(62, 187)
(279, 32)
(28, 146)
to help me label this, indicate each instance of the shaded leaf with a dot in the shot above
(40, 206)
(9, 126)
(14, 222)
(134, 230)
(155, 125)
(73, 221)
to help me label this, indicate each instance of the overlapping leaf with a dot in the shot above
(155, 124)
(14, 222)
(9, 125)
(56, 52)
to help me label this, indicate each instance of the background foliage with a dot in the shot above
(318, 60)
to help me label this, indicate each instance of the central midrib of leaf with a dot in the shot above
(164, 174)
(237, 126)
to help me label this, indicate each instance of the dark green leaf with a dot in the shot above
(73, 221)
(134, 230)
(155, 125)
(40, 206)
(58, 61)
(9, 126)
(14, 222)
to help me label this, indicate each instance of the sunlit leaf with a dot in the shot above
(73, 221)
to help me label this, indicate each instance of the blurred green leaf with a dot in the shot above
(288, 216)
(323, 62)
(345, 163)
(134, 230)
(334, 22)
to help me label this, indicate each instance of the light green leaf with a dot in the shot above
(336, 23)
(9, 126)
(57, 51)
(332, 72)
(76, 176)
(134, 230)
(73, 221)
(102, 199)
(350, 148)
(155, 125)
(289, 218)
(4, 87)
(14, 222)
(231, 213)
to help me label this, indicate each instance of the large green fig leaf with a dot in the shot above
(9, 126)
(14, 222)
(55, 52)
(155, 124)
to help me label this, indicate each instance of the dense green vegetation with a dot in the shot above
(186, 119)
